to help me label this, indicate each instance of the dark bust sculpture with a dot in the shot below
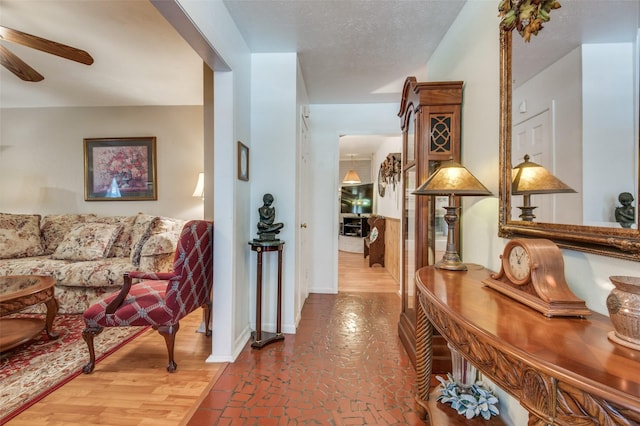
(626, 214)
(267, 228)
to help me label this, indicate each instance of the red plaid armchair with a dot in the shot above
(160, 299)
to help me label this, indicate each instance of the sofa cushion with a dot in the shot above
(102, 273)
(107, 272)
(162, 243)
(122, 245)
(19, 235)
(87, 241)
(35, 265)
(145, 226)
(54, 227)
(139, 234)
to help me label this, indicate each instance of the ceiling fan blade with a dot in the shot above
(45, 45)
(18, 66)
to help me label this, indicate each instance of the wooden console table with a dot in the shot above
(563, 371)
(262, 338)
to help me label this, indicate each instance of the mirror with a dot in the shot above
(569, 100)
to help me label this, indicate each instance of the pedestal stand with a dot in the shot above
(261, 338)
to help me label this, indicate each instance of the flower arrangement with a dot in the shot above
(526, 16)
(127, 164)
(477, 400)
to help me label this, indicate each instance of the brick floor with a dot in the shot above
(344, 366)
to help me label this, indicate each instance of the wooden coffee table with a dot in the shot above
(18, 292)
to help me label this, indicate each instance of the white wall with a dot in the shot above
(608, 120)
(328, 122)
(42, 160)
(391, 204)
(470, 52)
(232, 219)
(274, 140)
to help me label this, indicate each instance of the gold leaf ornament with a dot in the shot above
(526, 16)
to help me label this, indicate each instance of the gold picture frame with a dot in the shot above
(120, 169)
(243, 162)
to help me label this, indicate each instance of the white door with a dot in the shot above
(304, 201)
(533, 137)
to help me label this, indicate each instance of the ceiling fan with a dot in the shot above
(17, 66)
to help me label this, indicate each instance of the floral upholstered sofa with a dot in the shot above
(85, 253)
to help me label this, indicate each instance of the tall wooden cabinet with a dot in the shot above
(430, 123)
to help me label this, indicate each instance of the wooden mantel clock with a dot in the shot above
(532, 272)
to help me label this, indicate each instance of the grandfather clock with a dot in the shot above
(430, 123)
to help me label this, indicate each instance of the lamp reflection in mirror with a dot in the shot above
(199, 191)
(452, 179)
(531, 178)
(352, 176)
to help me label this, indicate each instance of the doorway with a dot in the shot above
(364, 154)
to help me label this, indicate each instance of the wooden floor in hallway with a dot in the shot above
(355, 274)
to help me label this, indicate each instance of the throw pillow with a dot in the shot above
(87, 241)
(19, 235)
(140, 233)
(145, 226)
(122, 245)
(55, 226)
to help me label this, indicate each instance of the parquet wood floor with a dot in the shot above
(132, 385)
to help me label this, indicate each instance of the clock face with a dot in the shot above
(519, 265)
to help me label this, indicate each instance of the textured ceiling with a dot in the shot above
(351, 51)
(355, 51)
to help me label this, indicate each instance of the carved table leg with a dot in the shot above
(52, 311)
(424, 359)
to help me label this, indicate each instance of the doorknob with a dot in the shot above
(303, 225)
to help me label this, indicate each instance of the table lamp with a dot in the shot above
(199, 190)
(452, 179)
(531, 178)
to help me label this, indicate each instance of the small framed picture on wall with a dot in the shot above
(243, 161)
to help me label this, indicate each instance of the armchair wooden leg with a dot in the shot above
(88, 334)
(169, 334)
(207, 318)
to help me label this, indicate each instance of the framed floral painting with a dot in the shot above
(120, 169)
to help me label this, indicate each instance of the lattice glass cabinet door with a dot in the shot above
(430, 123)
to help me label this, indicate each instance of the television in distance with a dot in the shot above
(357, 199)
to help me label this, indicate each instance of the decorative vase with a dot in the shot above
(463, 372)
(623, 304)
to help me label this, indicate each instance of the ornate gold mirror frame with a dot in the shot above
(614, 242)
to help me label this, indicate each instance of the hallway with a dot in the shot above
(344, 366)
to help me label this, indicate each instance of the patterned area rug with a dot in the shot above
(30, 372)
